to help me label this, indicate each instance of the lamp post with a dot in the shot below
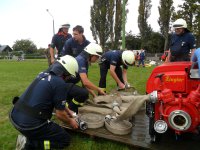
(53, 20)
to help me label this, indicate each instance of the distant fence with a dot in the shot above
(35, 57)
(149, 56)
(24, 57)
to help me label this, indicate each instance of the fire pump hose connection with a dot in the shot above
(153, 97)
(82, 124)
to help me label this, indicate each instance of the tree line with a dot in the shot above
(106, 25)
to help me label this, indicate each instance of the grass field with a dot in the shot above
(16, 76)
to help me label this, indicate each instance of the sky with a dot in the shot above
(29, 19)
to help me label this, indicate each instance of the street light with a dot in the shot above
(53, 20)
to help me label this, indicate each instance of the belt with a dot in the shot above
(26, 129)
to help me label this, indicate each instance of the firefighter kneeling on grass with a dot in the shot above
(33, 110)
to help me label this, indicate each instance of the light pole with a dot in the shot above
(53, 20)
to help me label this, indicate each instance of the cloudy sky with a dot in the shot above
(28, 19)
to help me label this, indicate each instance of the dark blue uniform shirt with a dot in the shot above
(73, 48)
(58, 41)
(114, 58)
(83, 66)
(82, 60)
(181, 44)
(49, 93)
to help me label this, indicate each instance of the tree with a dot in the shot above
(144, 13)
(156, 43)
(165, 10)
(106, 22)
(110, 22)
(99, 22)
(26, 46)
(133, 42)
(118, 23)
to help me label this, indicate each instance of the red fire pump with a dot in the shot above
(174, 90)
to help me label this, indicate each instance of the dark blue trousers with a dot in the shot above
(104, 67)
(52, 132)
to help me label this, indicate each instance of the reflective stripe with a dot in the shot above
(46, 145)
(77, 103)
(66, 104)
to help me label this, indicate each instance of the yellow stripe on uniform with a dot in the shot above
(77, 103)
(47, 145)
(66, 105)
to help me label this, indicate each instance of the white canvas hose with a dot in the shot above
(107, 99)
(118, 127)
(93, 109)
(117, 108)
(136, 103)
(93, 120)
(123, 107)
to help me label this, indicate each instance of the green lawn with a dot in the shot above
(16, 76)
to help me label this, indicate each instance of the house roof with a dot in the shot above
(4, 48)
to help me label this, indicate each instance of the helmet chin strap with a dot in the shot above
(90, 58)
(182, 32)
(65, 77)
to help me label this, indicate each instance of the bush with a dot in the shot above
(34, 56)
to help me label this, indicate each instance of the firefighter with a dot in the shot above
(33, 110)
(75, 45)
(91, 54)
(113, 60)
(58, 41)
(182, 42)
(196, 58)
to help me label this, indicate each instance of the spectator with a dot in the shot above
(137, 55)
(75, 45)
(142, 57)
(58, 41)
(182, 42)
(47, 54)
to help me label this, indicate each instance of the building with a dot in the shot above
(5, 49)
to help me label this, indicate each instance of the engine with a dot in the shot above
(174, 90)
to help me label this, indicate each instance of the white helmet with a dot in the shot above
(128, 57)
(94, 49)
(180, 23)
(66, 25)
(69, 63)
